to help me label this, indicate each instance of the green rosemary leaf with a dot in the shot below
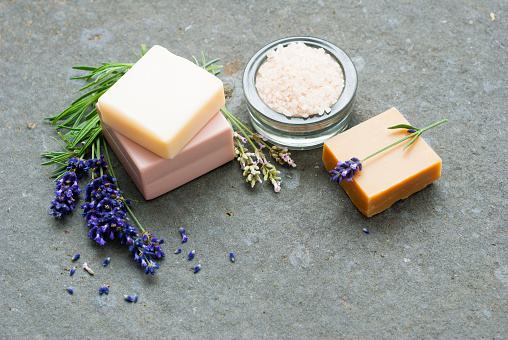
(211, 62)
(91, 124)
(84, 68)
(95, 132)
(92, 113)
(412, 140)
(402, 126)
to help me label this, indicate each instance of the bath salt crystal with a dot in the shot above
(299, 81)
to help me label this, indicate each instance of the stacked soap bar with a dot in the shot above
(389, 176)
(162, 102)
(163, 121)
(211, 147)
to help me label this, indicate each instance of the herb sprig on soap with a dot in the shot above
(347, 169)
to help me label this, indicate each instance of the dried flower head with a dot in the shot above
(346, 170)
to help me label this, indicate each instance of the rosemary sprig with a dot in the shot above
(81, 118)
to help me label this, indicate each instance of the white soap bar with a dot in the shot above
(162, 102)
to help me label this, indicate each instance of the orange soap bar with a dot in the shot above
(389, 176)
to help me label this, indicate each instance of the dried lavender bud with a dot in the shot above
(104, 289)
(366, 231)
(85, 267)
(178, 251)
(184, 235)
(411, 131)
(106, 261)
(196, 268)
(128, 298)
(77, 256)
(70, 290)
(73, 270)
(135, 298)
(191, 255)
(232, 257)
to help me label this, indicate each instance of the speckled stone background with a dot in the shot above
(434, 265)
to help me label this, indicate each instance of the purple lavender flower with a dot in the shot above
(346, 170)
(184, 235)
(282, 155)
(66, 193)
(411, 131)
(106, 215)
(191, 255)
(197, 268)
(78, 165)
(97, 164)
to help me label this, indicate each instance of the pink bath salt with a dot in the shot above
(299, 81)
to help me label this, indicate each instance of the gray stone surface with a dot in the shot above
(434, 265)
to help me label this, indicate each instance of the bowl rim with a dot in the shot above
(272, 116)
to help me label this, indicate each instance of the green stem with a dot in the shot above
(134, 218)
(405, 138)
(238, 122)
(111, 171)
(238, 125)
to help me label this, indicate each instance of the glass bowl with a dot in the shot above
(299, 133)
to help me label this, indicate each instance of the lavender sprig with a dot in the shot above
(106, 214)
(346, 170)
(66, 193)
(243, 135)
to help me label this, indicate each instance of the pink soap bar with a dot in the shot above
(211, 147)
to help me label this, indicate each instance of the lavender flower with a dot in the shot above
(70, 290)
(282, 155)
(269, 171)
(106, 261)
(184, 235)
(178, 251)
(346, 170)
(78, 166)
(128, 298)
(197, 268)
(191, 255)
(232, 257)
(105, 211)
(97, 165)
(73, 270)
(106, 215)
(146, 249)
(75, 257)
(66, 193)
(411, 131)
(104, 289)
